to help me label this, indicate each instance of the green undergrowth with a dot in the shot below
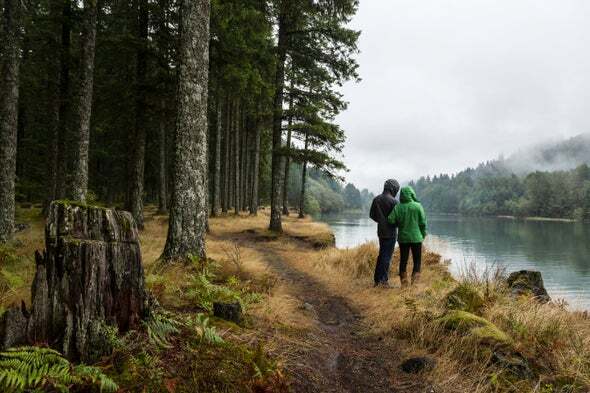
(36, 369)
(187, 353)
(198, 285)
(13, 277)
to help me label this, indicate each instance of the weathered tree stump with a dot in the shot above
(89, 278)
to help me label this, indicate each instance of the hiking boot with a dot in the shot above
(415, 278)
(403, 278)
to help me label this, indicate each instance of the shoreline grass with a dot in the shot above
(483, 338)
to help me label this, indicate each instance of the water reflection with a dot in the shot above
(560, 250)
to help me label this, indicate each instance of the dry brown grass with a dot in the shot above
(554, 341)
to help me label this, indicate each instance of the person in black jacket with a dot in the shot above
(381, 208)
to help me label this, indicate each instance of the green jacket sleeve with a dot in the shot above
(422, 222)
(392, 218)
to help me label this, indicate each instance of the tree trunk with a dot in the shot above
(64, 137)
(217, 164)
(53, 108)
(135, 185)
(303, 181)
(275, 194)
(9, 83)
(162, 178)
(79, 176)
(287, 163)
(190, 202)
(90, 276)
(236, 157)
(226, 148)
(255, 169)
(244, 166)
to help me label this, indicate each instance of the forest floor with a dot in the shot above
(332, 351)
(314, 323)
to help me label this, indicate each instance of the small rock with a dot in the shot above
(418, 364)
(528, 282)
(228, 311)
(308, 307)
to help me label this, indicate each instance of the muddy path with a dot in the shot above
(339, 356)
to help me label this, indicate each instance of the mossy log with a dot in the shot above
(89, 278)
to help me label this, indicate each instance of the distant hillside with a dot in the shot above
(551, 156)
(550, 180)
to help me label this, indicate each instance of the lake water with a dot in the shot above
(560, 250)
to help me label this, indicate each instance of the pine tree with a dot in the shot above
(78, 177)
(190, 207)
(310, 35)
(9, 101)
(135, 188)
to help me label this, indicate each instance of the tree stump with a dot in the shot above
(89, 278)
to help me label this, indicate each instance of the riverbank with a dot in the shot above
(314, 323)
(548, 219)
(519, 218)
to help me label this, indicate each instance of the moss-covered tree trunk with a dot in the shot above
(244, 165)
(9, 74)
(226, 166)
(216, 189)
(63, 148)
(162, 178)
(277, 127)
(287, 164)
(89, 277)
(236, 159)
(303, 181)
(53, 107)
(255, 170)
(135, 186)
(78, 187)
(189, 208)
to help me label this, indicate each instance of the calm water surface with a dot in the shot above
(560, 250)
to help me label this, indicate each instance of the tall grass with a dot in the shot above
(549, 346)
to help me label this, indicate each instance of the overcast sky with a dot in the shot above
(449, 83)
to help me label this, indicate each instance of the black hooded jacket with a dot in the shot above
(381, 207)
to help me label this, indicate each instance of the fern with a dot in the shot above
(159, 327)
(207, 334)
(34, 368)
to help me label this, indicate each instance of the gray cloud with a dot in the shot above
(447, 84)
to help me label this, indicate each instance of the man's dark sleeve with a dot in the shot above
(373, 212)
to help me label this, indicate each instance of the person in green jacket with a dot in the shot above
(410, 219)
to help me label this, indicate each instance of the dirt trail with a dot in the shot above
(339, 356)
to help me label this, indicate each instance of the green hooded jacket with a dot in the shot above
(409, 217)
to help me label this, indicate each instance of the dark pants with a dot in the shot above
(404, 251)
(386, 246)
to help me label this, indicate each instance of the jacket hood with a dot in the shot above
(408, 195)
(392, 186)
